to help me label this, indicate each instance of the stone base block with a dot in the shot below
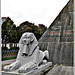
(32, 72)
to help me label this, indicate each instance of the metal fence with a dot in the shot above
(8, 53)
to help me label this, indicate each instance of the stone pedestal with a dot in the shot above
(32, 72)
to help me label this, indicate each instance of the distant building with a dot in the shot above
(3, 19)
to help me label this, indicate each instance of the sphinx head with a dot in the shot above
(27, 38)
(29, 42)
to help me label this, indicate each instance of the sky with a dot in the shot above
(35, 11)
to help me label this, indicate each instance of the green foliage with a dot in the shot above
(13, 36)
(8, 30)
(13, 33)
(28, 29)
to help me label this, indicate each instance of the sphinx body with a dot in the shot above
(29, 56)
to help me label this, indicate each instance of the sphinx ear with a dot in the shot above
(21, 42)
(32, 40)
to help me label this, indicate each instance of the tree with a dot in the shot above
(7, 29)
(43, 27)
(12, 34)
(31, 27)
(19, 33)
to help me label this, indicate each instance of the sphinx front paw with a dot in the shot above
(27, 67)
(7, 68)
(22, 70)
(13, 66)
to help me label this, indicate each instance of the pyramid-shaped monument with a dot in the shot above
(59, 37)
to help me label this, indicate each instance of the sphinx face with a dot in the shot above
(28, 43)
(27, 39)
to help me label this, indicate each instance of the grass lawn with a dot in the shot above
(9, 58)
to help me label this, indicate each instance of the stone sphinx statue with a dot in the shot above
(29, 56)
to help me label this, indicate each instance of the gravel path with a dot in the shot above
(8, 61)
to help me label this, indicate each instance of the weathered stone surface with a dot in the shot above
(32, 72)
(59, 37)
(61, 70)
